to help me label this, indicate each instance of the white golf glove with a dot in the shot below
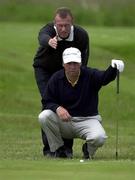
(119, 64)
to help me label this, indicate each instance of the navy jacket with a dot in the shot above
(82, 99)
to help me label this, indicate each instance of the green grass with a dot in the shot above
(65, 169)
(101, 13)
(20, 138)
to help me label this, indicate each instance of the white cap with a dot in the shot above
(71, 55)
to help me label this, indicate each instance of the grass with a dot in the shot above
(20, 138)
(67, 170)
(108, 13)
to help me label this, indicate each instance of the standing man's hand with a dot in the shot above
(53, 42)
(63, 114)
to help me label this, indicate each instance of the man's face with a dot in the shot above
(63, 26)
(72, 69)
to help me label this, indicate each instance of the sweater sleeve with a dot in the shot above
(45, 34)
(109, 75)
(102, 78)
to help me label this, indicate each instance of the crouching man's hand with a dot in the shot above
(119, 64)
(63, 114)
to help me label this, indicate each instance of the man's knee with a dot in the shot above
(97, 140)
(100, 140)
(44, 116)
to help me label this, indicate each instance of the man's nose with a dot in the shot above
(63, 28)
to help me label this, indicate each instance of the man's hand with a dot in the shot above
(63, 114)
(53, 42)
(119, 64)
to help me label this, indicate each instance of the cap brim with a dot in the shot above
(67, 60)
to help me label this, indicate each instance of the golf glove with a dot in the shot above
(119, 64)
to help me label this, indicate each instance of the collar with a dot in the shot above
(76, 81)
(70, 37)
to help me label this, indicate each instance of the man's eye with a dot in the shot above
(66, 25)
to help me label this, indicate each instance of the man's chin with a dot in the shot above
(74, 74)
(64, 36)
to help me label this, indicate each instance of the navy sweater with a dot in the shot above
(82, 99)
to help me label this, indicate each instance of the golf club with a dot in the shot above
(117, 123)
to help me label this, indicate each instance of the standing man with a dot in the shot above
(54, 38)
(71, 109)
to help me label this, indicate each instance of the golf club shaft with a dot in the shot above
(118, 77)
(117, 125)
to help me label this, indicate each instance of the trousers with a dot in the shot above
(86, 128)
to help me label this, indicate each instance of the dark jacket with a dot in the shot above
(82, 99)
(48, 60)
(51, 59)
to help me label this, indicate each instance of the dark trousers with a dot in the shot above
(68, 143)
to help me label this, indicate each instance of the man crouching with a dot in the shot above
(71, 104)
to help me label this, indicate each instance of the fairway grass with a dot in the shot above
(67, 169)
(20, 137)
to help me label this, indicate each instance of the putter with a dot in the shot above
(117, 123)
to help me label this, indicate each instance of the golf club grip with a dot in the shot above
(118, 77)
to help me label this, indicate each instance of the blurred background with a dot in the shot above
(88, 12)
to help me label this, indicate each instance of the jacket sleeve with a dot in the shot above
(102, 78)
(45, 34)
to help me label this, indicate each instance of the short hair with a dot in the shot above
(63, 12)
